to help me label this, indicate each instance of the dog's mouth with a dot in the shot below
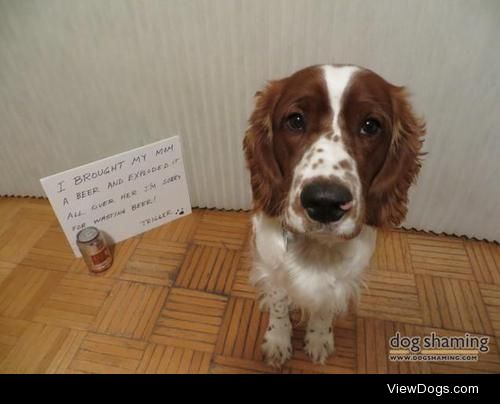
(342, 228)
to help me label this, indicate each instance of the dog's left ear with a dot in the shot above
(387, 198)
(265, 175)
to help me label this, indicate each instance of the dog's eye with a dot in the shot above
(296, 122)
(371, 127)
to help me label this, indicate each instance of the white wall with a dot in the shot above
(83, 79)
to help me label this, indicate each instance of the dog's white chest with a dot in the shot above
(314, 275)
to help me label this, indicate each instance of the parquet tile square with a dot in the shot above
(106, 354)
(75, 301)
(190, 319)
(36, 349)
(373, 347)
(208, 268)
(485, 259)
(66, 352)
(390, 296)
(453, 304)
(392, 252)
(439, 256)
(10, 331)
(130, 310)
(18, 237)
(52, 252)
(154, 261)
(216, 229)
(25, 290)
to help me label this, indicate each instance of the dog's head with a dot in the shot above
(331, 148)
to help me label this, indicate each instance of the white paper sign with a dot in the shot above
(123, 195)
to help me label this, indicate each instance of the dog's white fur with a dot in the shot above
(318, 278)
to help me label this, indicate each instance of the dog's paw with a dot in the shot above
(318, 346)
(277, 347)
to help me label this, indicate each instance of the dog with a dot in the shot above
(332, 151)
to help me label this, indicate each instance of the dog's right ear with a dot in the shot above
(265, 175)
(387, 200)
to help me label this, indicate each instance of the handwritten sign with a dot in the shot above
(123, 195)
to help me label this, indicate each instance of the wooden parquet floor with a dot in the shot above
(176, 300)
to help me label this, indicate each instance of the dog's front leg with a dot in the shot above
(319, 336)
(277, 346)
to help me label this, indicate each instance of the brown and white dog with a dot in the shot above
(332, 151)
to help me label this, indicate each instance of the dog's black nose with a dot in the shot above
(326, 202)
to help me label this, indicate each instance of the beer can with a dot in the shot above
(94, 249)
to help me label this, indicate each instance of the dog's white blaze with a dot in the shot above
(326, 163)
(337, 80)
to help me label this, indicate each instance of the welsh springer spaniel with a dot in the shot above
(332, 151)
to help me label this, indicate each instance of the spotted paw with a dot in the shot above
(277, 347)
(319, 346)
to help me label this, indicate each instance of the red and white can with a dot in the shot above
(94, 249)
